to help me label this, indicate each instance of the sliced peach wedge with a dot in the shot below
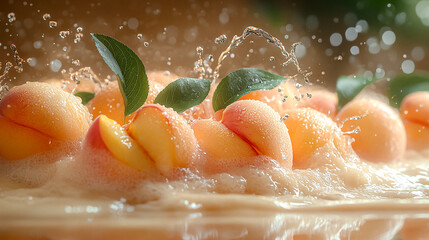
(106, 134)
(165, 136)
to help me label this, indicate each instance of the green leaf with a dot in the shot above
(85, 96)
(184, 93)
(405, 84)
(241, 82)
(129, 69)
(349, 87)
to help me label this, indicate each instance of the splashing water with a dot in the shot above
(357, 129)
(18, 60)
(238, 40)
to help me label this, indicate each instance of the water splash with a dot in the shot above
(18, 60)
(354, 118)
(238, 40)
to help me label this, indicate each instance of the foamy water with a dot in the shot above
(335, 198)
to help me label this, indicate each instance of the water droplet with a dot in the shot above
(79, 29)
(146, 44)
(407, 66)
(388, 37)
(199, 50)
(64, 34)
(286, 116)
(139, 36)
(76, 62)
(354, 50)
(11, 17)
(52, 24)
(338, 58)
(221, 39)
(46, 16)
(272, 58)
(55, 65)
(78, 37)
(336, 39)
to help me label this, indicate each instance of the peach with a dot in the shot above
(47, 109)
(321, 100)
(309, 130)
(109, 101)
(415, 115)
(165, 136)
(19, 142)
(382, 136)
(257, 123)
(274, 98)
(162, 77)
(110, 155)
(220, 142)
(35, 115)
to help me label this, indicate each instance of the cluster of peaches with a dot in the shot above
(35, 116)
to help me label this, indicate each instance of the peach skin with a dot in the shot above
(309, 130)
(415, 116)
(35, 115)
(381, 136)
(165, 136)
(48, 109)
(321, 100)
(257, 123)
(274, 98)
(109, 101)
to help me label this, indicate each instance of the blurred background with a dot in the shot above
(373, 38)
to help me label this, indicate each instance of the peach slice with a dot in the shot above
(382, 136)
(309, 130)
(165, 136)
(105, 133)
(220, 142)
(321, 100)
(47, 109)
(415, 115)
(260, 125)
(19, 142)
(109, 101)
